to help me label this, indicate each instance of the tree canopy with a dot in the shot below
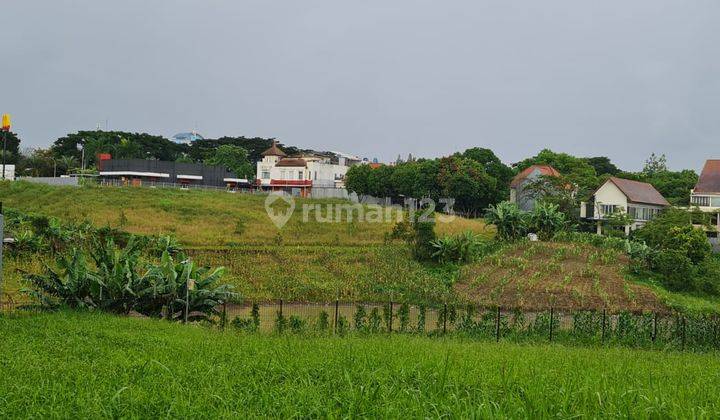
(234, 158)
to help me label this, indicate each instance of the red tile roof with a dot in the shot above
(546, 170)
(639, 192)
(709, 181)
(273, 150)
(293, 162)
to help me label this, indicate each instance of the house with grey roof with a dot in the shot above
(706, 197)
(639, 200)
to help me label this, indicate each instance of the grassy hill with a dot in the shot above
(93, 365)
(312, 261)
(302, 261)
(200, 218)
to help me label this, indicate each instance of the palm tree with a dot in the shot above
(67, 163)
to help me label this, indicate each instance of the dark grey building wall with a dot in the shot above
(211, 175)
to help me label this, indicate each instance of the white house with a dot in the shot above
(706, 196)
(640, 200)
(298, 175)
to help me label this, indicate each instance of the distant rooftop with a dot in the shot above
(709, 181)
(186, 138)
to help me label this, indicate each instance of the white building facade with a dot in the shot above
(298, 175)
(639, 200)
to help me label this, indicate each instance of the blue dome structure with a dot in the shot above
(186, 138)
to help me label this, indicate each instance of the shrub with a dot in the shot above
(403, 315)
(243, 324)
(424, 235)
(464, 248)
(546, 220)
(510, 221)
(374, 320)
(359, 318)
(280, 322)
(323, 322)
(297, 324)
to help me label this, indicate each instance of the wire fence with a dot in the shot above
(650, 329)
(653, 330)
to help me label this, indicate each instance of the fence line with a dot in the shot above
(645, 330)
(650, 329)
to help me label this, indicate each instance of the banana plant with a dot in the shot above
(71, 284)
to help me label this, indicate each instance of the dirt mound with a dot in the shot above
(566, 276)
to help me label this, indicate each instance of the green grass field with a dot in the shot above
(92, 365)
(200, 218)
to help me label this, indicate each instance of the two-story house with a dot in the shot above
(706, 196)
(299, 174)
(639, 200)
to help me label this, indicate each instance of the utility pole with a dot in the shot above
(5, 128)
(4, 148)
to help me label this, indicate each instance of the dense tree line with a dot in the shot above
(475, 178)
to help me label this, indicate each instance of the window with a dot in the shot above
(300, 175)
(643, 213)
(607, 208)
(700, 201)
(265, 174)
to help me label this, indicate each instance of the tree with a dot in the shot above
(655, 164)
(602, 165)
(466, 181)
(357, 179)
(120, 144)
(12, 147)
(67, 163)
(502, 173)
(674, 186)
(201, 150)
(36, 162)
(233, 158)
(576, 171)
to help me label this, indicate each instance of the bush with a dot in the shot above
(510, 221)
(121, 281)
(676, 268)
(546, 220)
(423, 238)
(464, 248)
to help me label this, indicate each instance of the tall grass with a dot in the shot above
(198, 217)
(92, 365)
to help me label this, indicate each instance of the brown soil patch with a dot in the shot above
(566, 276)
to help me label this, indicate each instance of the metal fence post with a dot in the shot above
(552, 311)
(337, 308)
(654, 331)
(445, 315)
(280, 309)
(684, 321)
(390, 318)
(497, 325)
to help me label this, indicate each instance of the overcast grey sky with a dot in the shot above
(375, 78)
